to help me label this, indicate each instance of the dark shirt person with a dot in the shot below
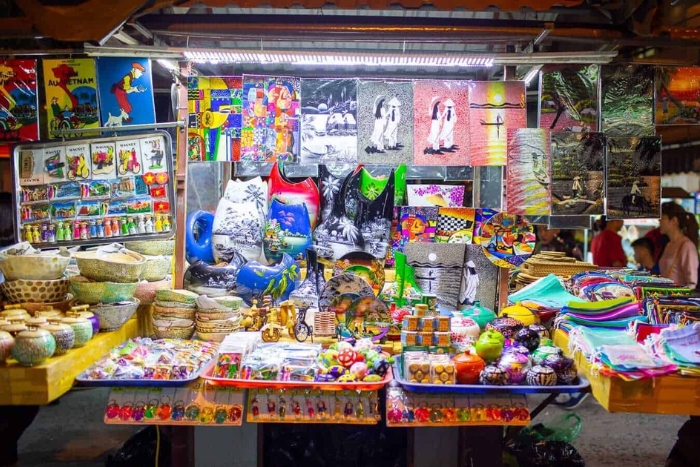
(550, 240)
(644, 255)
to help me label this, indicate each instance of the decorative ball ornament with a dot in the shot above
(358, 369)
(347, 357)
(347, 378)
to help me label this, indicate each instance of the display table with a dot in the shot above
(45, 383)
(669, 395)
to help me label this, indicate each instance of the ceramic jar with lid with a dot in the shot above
(83, 312)
(493, 376)
(516, 365)
(38, 321)
(480, 314)
(6, 344)
(14, 312)
(15, 327)
(563, 366)
(63, 334)
(542, 352)
(33, 347)
(468, 367)
(541, 376)
(48, 312)
(81, 327)
(528, 338)
(490, 345)
(506, 325)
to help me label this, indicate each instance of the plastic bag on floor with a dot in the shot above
(565, 428)
(140, 450)
(532, 453)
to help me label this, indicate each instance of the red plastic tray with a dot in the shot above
(260, 384)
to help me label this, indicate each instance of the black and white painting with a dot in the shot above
(328, 121)
(385, 118)
(479, 278)
(438, 269)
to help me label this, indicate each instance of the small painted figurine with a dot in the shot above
(321, 406)
(271, 408)
(296, 409)
(310, 408)
(256, 409)
(348, 410)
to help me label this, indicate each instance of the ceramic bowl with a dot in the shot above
(113, 316)
(156, 268)
(122, 267)
(146, 291)
(62, 306)
(152, 247)
(40, 291)
(93, 293)
(33, 267)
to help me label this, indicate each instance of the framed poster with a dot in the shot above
(677, 96)
(18, 101)
(126, 91)
(569, 98)
(70, 86)
(215, 105)
(627, 100)
(527, 187)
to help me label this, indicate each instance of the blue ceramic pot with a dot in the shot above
(278, 280)
(198, 237)
(287, 230)
(214, 281)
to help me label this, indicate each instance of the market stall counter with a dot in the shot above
(42, 384)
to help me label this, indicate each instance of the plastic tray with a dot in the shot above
(581, 385)
(261, 384)
(138, 383)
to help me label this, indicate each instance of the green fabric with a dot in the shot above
(548, 291)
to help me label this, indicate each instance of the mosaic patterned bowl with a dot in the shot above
(113, 316)
(152, 247)
(122, 267)
(29, 291)
(93, 293)
(156, 268)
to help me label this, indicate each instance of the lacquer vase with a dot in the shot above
(198, 237)
(237, 227)
(285, 191)
(287, 230)
(373, 218)
(250, 191)
(214, 281)
(254, 280)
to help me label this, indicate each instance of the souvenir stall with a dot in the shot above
(368, 261)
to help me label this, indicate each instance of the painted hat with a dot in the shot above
(138, 66)
(448, 103)
(433, 101)
(378, 99)
(394, 102)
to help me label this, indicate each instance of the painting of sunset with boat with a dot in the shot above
(677, 96)
(495, 107)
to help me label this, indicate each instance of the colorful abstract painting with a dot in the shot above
(418, 224)
(569, 98)
(678, 96)
(455, 225)
(440, 123)
(328, 121)
(495, 106)
(527, 172)
(385, 119)
(125, 87)
(634, 177)
(70, 88)
(18, 102)
(450, 196)
(627, 100)
(215, 104)
(271, 112)
(578, 173)
(481, 216)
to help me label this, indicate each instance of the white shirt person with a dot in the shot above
(449, 120)
(392, 127)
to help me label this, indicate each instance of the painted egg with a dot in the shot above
(494, 376)
(329, 358)
(358, 370)
(372, 379)
(347, 378)
(347, 357)
(541, 376)
(381, 367)
(325, 378)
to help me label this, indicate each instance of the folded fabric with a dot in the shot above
(600, 306)
(683, 344)
(621, 323)
(548, 291)
(587, 340)
(627, 311)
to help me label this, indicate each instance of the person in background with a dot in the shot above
(644, 255)
(606, 246)
(14, 419)
(679, 261)
(660, 241)
(551, 240)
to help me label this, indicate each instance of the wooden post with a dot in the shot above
(181, 177)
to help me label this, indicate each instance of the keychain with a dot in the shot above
(282, 405)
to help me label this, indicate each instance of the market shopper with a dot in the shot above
(644, 255)
(556, 240)
(14, 419)
(679, 260)
(606, 246)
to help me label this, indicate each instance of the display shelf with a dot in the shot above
(310, 406)
(45, 383)
(412, 409)
(83, 380)
(581, 385)
(195, 404)
(670, 394)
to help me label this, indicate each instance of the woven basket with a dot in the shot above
(184, 313)
(324, 323)
(538, 268)
(174, 333)
(212, 336)
(217, 315)
(218, 326)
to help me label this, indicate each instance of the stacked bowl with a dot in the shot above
(107, 282)
(217, 317)
(174, 314)
(157, 270)
(33, 277)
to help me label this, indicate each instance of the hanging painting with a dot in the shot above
(449, 196)
(70, 87)
(438, 270)
(634, 177)
(455, 225)
(328, 121)
(479, 279)
(440, 122)
(569, 98)
(627, 100)
(215, 118)
(495, 106)
(18, 102)
(528, 172)
(418, 224)
(270, 125)
(578, 173)
(677, 96)
(385, 118)
(126, 91)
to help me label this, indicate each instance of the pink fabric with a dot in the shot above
(680, 262)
